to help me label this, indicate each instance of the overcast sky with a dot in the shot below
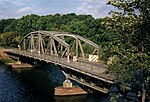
(18, 8)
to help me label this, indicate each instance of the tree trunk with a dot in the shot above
(144, 78)
(143, 92)
(144, 86)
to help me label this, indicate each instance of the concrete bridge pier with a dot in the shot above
(68, 88)
(67, 83)
(18, 62)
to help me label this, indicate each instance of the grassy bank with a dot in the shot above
(4, 57)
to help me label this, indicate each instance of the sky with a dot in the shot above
(19, 8)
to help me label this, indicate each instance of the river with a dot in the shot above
(37, 85)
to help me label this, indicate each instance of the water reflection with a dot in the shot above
(37, 85)
(10, 89)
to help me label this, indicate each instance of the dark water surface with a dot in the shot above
(37, 85)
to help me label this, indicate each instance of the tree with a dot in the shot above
(11, 27)
(84, 25)
(27, 24)
(9, 39)
(4, 23)
(131, 45)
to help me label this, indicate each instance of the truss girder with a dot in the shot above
(51, 47)
(80, 38)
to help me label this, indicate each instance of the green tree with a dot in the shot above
(4, 23)
(27, 24)
(131, 45)
(11, 27)
(9, 39)
(84, 25)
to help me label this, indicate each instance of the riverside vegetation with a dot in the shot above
(124, 37)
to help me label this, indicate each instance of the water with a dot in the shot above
(37, 85)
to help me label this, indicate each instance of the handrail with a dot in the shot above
(93, 71)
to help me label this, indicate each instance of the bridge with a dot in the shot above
(77, 57)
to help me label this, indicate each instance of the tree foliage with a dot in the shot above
(131, 45)
(4, 23)
(84, 25)
(9, 39)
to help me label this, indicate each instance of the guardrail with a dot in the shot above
(85, 68)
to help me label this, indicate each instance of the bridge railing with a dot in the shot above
(78, 66)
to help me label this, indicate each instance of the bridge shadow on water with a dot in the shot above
(41, 81)
(37, 83)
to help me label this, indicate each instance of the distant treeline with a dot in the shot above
(12, 30)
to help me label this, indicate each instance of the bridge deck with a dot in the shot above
(87, 68)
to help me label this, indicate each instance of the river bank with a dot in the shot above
(4, 57)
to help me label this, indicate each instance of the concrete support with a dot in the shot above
(67, 83)
(18, 62)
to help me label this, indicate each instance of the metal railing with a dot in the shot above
(85, 68)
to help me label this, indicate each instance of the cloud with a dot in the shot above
(18, 8)
(17, 3)
(97, 8)
(4, 2)
(24, 10)
(14, 2)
